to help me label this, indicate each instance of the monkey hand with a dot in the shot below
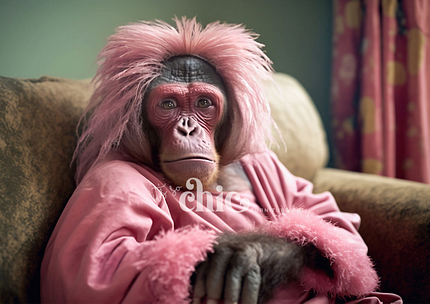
(248, 267)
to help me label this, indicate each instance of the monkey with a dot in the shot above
(179, 109)
(186, 105)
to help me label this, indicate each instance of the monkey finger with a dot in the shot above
(216, 272)
(233, 284)
(200, 286)
(251, 286)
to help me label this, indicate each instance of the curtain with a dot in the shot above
(381, 87)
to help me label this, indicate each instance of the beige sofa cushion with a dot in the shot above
(299, 125)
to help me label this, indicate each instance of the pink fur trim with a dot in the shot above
(135, 55)
(353, 270)
(172, 260)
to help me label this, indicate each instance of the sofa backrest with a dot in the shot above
(299, 125)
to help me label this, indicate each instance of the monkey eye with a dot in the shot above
(204, 103)
(168, 104)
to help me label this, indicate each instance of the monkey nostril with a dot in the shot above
(182, 131)
(193, 131)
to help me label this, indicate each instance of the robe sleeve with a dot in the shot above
(107, 246)
(309, 218)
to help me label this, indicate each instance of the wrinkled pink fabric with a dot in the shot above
(124, 237)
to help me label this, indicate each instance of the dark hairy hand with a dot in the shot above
(248, 267)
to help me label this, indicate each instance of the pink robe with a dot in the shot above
(126, 236)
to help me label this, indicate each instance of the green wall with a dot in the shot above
(62, 38)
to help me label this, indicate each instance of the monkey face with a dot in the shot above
(185, 106)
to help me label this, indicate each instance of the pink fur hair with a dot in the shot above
(168, 270)
(134, 56)
(353, 270)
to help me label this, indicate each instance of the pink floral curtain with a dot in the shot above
(381, 87)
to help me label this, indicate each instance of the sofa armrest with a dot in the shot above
(395, 225)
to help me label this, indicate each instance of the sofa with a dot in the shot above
(38, 119)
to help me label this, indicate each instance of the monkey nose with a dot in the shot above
(186, 127)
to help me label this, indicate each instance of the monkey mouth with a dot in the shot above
(180, 168)
(190, 158)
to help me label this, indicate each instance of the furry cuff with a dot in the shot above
(353, 270)
(172, 260)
